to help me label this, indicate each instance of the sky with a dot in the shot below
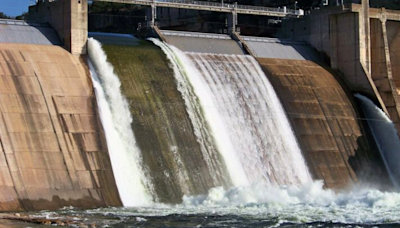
(15, 7)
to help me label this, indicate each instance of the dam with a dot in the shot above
(169, 123)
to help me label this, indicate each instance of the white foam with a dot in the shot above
(307, 203)
(263, 193)
(116, 119)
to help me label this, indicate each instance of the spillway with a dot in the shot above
(385, 135)
(202, 121)
(216, 121)
(125, 156)
(243, 116)
(172, 157)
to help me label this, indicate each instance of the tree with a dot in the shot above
(3, 15)
(23, 16)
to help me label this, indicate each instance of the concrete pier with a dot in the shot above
(68, 17)
(361, 44)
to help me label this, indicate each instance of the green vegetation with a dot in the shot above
(4, 16)
(23, 16)
(161, 124)
(20, 17)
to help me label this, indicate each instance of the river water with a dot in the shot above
(256, 206)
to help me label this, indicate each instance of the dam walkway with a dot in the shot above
(214, 7)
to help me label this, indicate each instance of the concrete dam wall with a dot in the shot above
(13, 31)
(172, 155)
(53, 151)
(200, 42)
(335, 142)
(202, 112)
(361, 44)
(320, 111)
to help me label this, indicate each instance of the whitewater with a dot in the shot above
(244, 116)
(248, 203)
(133, 187)
(258, 205)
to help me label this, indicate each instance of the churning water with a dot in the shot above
(237, 115)
(259, 205)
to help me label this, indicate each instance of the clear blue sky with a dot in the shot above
(15, 7)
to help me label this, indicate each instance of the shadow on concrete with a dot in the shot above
(15, 31)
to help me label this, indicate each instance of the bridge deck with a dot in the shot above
(215, 7)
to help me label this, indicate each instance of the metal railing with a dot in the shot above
(199, 3)
(196, 35)
(262, 8)
(219, 6)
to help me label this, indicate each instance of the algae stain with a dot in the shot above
(163, 129)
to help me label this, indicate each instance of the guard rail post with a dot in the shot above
(151, 14)
(232, 20)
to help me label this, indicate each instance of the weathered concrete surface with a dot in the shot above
(393, 35)
(381, 65)
(176, 162)
(202, 42)
(15, 31)
(68, 17)
(262, 47)
(53, 151)
(349, 53)
(393, 46)
(339, 36)
(361, 44)
(331, 134)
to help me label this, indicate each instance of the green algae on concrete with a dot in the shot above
(161, 124)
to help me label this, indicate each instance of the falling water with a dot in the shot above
(116, 119)
(385, 135)
(243, 116)
(211, 133)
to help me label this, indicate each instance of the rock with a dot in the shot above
(82, 225)
(47, 222)
(60, 223)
